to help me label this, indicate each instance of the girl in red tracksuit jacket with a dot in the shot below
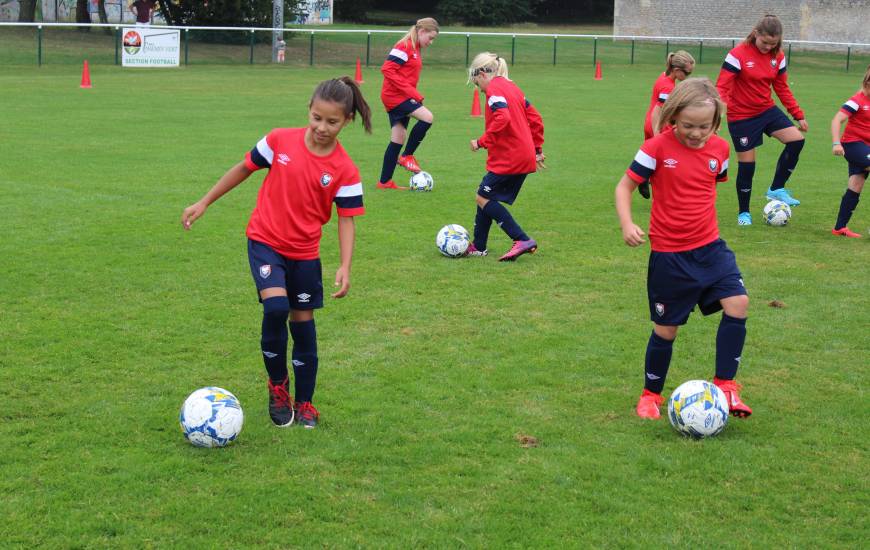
(402, 101)
(514, 136)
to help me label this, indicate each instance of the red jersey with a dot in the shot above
(858, 111)
(745, 80)
(401, 72)
(660, 92)
(296, 198)
(683, 180)
(514, 130)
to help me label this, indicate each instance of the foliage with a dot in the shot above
(352, 10)
(487, 12)
(224, 13)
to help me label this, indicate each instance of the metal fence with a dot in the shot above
(59, 43)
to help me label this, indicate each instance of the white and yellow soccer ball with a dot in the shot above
(452, 240)
(777, 213)
(421, 181)
(698, 409)
(211, 417)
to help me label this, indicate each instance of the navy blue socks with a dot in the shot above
(745, 173)
(482, 223)
(788, 159)
(729, 346)
(418, 132)
(273, 341)
(503, 218)
(658, 359)
(391, 155)
(847, 205)
(304, 358)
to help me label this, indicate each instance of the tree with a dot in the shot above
(487, 12)
(223, 13)
(26, 11)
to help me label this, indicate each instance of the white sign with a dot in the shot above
(150, 47)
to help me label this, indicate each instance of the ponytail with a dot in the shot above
(346, 92)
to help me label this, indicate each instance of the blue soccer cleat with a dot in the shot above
(744, 218)
(783, 195)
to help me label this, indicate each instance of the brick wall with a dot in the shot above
(816, 20)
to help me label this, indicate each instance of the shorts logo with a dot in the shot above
(303, 298)
(265, 271)
(487, 188)
(325, 179)
(660, 308)
(670, 163)
(741, 282)
(713, 164)
(744, 141)
(283, 159)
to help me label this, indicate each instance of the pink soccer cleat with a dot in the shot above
(518, 249)
(648, 405)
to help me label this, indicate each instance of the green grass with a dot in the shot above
(431, 368)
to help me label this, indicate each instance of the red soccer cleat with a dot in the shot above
(408, 162)
(390, 185)
(846, 232)
(306, 414)
(648, 405)
(280, 404)
(737, 407)
(518, 249)
(473, 251)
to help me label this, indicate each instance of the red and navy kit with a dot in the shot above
(296, 197)
(857, 109)
(683, 180)
(401, 72)
(662, 88)
(746, 78)
(514, 130)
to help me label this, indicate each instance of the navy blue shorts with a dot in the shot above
(401, 113)
(303, 279)
(858, 156)
(501, 188)
(678, 281)
(748, 134)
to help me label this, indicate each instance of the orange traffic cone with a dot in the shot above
(86, 76)
(358, 75)
(475, 103)
(598, 70)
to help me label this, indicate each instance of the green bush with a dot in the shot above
(487, 12)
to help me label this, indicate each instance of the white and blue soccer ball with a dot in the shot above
(211, 417)
(452, 240)
(698, 409)
(777, 213)
(422, 181)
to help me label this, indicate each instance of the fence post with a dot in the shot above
(513, 48)
(788, 57)
(554, 48)
(252, 47)
(467, 46)
(117, 42)
(594, 50)
(667, 48)
(186, 45)
(368, 47)
(632, 51)
(39, 46)
(311, 50)
(848, 55)
(701, 53)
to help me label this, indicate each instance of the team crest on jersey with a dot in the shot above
(773, 62)
(744, 141)
(660, 308)
(326, 179)
(713, 165)
(265, 271)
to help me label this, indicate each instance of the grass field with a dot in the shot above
(432, 370)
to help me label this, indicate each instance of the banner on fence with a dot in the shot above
(151, 47)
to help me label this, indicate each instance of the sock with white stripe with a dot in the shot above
(304, 358)
(273, 342)
(786, 164)
(729, 346)
(745, 173)
(658, 360)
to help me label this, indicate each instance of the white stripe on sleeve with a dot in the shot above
(396, 52)
(733, 61)
(496, 99)
(782, 64)
(724, 166)
(265, 150)
(350, 190)
(851, 105)
(645, 160)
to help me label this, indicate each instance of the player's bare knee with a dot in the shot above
(482, 201)
(668, 332)
(736, 306)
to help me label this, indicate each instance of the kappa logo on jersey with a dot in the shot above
(303, 298)
(713, 165)
(283, 159)
(750, 64)
(670, 163)
(744, 141)
(660, 308)
(265, 271)
(325, 179)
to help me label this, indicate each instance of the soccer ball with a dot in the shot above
(698, 408)
(777, 213)
(422, 181)
(452, 240)
(211, 417)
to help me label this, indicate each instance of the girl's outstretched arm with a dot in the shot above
(234, 176)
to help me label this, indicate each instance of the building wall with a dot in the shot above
(816, 20)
